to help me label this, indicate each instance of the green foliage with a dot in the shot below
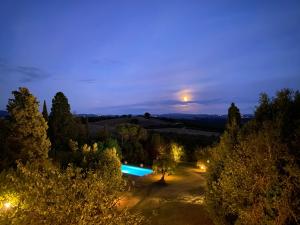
(112, 143)
(165, 163)
(131, 132)
(255, 179)
(176, 152)
(73, 145)
(132, 137)
(50, 196)
(27, 138)
(61, 122)
(110, 165)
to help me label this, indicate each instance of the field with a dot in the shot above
(152, 124)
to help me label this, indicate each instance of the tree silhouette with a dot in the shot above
(45, 111)
(147, 115)
(233, 122)
(61, 122)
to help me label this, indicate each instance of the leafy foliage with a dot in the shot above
(255, 177)
(166, 160)
(61, 122)
(132, 137)
(50, 196)
(27, 138)
(176, 151)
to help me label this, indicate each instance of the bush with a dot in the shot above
(47, 195)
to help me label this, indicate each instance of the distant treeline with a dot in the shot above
(210, 123)
(215, 124)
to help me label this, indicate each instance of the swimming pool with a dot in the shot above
(136, 171)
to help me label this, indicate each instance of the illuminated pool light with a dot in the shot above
(136, 171)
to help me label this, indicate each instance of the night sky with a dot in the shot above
(120, 57)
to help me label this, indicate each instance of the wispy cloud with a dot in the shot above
(106, 61)
(30, 74)
(26, 73)
(88, 81)
(159, 106)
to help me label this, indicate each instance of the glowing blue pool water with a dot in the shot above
(136, 171)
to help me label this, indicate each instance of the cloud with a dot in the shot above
(88, 81)
(106, 62)
(158, 106)
(30, 74)
(26, 73)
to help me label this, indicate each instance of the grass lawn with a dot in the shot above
(179, 202)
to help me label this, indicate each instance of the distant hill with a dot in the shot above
(198, 116)
(3, 113)
(86, 115)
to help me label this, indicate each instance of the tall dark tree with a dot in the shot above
(27, 138)
(61, 122)
(234, 116)
(45, 111)
(233, 122)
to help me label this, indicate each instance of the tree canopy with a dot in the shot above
(27, 139)
(50, 196)
(61, 122)
(255, 178)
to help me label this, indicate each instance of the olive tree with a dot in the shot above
(46, 195)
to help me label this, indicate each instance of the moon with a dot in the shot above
(184, 95)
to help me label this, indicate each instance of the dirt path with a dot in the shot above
(180, 202)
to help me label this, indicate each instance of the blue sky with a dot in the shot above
(117, 57)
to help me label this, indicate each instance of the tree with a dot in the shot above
(35, 195)
(111, 143)
(154, 144)
(61, 122)
(45, 112)
(259, 181)
(234, 116)
(177, 152)
(132, 136)
(28, 129)
(233, 123)
(164, 164)
(110, 165)
(147, 115)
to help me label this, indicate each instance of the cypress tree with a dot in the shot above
(233, 123)
(234, 116)
(45, 111)
(28, 129)
(61, 122)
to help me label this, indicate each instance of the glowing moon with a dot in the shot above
(184, 95)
